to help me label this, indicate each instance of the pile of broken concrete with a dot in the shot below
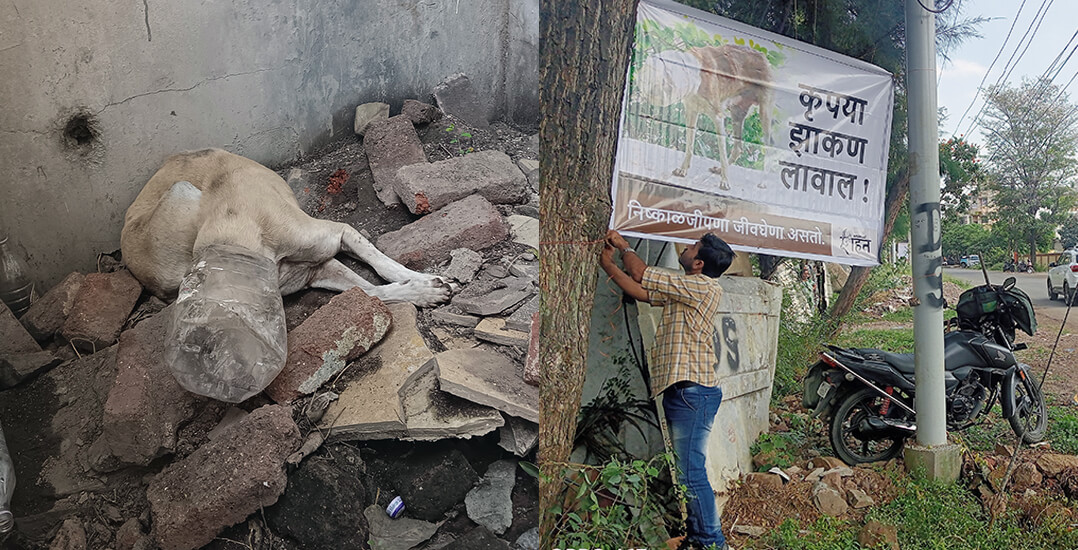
(376, 400)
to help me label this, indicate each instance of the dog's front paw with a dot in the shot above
(426, 292)
(679, 172)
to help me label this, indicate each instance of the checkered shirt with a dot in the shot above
(684, 342)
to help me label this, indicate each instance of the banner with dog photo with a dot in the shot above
(777, 146)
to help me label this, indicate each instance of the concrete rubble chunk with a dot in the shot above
(521, 319)
(749, 530)
(525, 230)
(518, 436)
(525, 270)
(493, 330)
(13, 336)
(764, 480)
(396, 534)
(47, 314)
(828, 500)
(457, 97)
(452, 315)
(487, 298)
(145, 405)
(129, 535)
(859, 499)
(529, 540)
(827, 462)
(16, 367)
(431, 414)
(464, 264)
(433, 483)
(321, 507)
(1027, 475)
(490, 502)
(72, 536)
(391, 144)
(531, 362)
(101, 309)
(368, 113)
(527, 165)
(479, 538)
(370, 407)
(338, 332)
(469, 223)
(1052, 464)
(224, 481)
(419, 112)
(490, 379)
(425, 188)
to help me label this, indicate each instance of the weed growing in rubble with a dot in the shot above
(826, 534)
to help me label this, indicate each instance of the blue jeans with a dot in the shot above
(690, 411)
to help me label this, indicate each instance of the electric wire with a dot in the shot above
(941, 10)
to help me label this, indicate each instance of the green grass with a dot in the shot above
(896, 340)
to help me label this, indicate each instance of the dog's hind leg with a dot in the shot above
(690, 141)
(724, 163)
(333, 275)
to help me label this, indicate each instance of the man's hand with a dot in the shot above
(614, 239)
(606, 257)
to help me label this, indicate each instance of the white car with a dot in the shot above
(1063, 275)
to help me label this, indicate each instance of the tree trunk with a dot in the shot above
(859, 275)
(584, 54)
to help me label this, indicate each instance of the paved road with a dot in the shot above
(1033, 284)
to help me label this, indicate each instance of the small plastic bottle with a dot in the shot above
(7, 486)
(226, 335)
(16, 288)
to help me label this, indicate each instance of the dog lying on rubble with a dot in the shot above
(213, 197)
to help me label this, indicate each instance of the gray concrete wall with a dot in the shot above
(267, 79)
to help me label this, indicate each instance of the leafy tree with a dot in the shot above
(960, 172)
(1031, 135)
(1068, 232)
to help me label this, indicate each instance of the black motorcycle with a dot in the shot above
(868, 393)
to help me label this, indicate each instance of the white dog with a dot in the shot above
(213, 197)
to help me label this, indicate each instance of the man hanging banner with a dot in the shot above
(777, 146)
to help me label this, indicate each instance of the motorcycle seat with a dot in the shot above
(957, 354)
(902, 362)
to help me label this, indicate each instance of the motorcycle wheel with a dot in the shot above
(1030, 269)
(1030, 419)
(845, 439)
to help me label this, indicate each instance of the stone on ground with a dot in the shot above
(129, 536)
(464, 264)
(521, 319)
(72, 536)
(368, 113)
(469, 223)
(531, 362)
(396, 534)
(431, 414)
(425, 188)
(529, 540)
(224, 481)
(391, 144)
(479, 538)
(490, 379)
(875, 534)
(453, 315)
(13, 336)
(145, 406)
(859, 499)
(1052, 464)
(518, 436)
(493, 297)
(457, 97)
(493, 330)
(434, 483)
(419, 112)
(16, 367)
(322, 507)
(763, 480)
(100, 310)
(525, 230)
(47, 314)
(370, 407)
(828, 500)
(490, 502)
(340, 331)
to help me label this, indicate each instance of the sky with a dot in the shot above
(960, 78)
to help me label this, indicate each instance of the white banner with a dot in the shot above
(777, 146)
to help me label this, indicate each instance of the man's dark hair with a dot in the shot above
(715, 254)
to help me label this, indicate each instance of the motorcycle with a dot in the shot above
(1008, 266)
(867, 394)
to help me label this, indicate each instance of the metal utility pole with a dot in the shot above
(925, 214)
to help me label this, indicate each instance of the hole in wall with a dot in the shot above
(80, 130)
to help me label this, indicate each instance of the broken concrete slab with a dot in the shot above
(490, 502)
(464, 264)
(340, 331)
(487, 378)
(425, 188)
(431, 414)
(518, 436)
(486, 298)
(145, 406)
(16, 367)
(368, 113)
(396, 534)
(479, 538)
(457, 97)
(527, 165)
(72, 536)
(100, 310)
(531, 362)
(525, 230)
(391, 144)
(224, 481)
(828, 500)
(47, 314)
(471, 223)
(493, 330)
(525, 270)
(452, 315)
(370, 407)
(434, 483)
(521, 319)
(322, 507)
(130, 535)
(13, 336)
(529, 540)
(419, 112)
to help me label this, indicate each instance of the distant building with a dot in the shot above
(981, 209)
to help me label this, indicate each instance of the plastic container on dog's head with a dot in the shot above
(226, 336)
